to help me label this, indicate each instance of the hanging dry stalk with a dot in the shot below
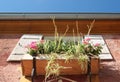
(77, 27)
(90, 27)
(55, 26)
(73, 36)
(52, 67)
(79, 34)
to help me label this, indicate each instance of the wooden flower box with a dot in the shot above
(73, 67)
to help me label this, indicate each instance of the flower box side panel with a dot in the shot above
(27, 67)
(95, 65)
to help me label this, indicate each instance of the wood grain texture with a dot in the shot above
(72, 67)
(46, 27)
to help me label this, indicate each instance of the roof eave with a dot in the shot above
(23, 16)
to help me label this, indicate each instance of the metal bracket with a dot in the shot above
(89, 70)
(33, 73)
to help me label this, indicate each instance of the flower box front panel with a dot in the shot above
(72, 67)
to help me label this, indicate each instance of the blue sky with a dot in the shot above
(78, 6)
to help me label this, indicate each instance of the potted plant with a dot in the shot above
(59, 57)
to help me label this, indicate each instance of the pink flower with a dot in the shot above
(85, 42)
(42, 41)
(33, 45)
(87, 39)
(97, 44)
